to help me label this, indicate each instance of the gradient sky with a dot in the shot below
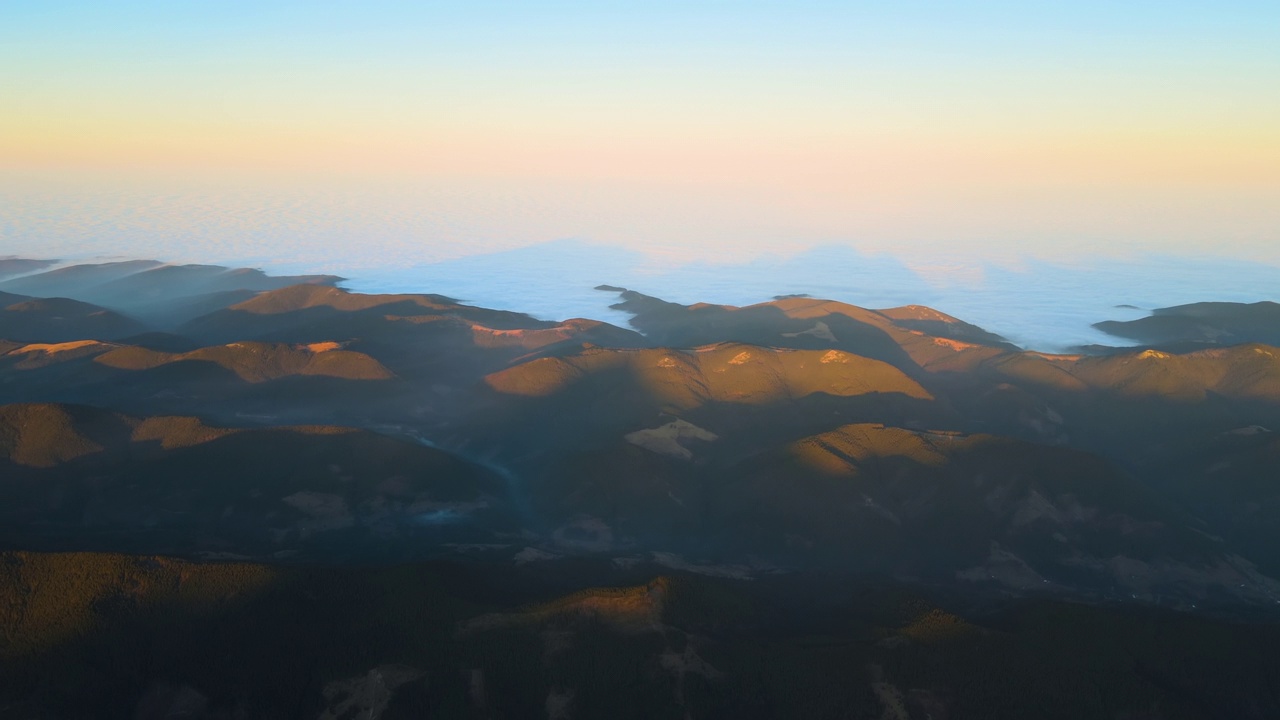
(699, 130)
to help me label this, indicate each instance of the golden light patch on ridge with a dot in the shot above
(324, 346)
(953, 344)
(177, 432)
(665, 440)
(52, 348)
(680, 381)
(628, 609)
(41, 435)
(840, 451)
(257, 361)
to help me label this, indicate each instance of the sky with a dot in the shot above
(319, 134)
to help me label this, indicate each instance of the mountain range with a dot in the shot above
(799, 508)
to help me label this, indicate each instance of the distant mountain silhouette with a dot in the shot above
(157, 293)
(12, 266)
(65, 281)
(1210, 323)
(59, 319)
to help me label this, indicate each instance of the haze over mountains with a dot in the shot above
(875, 494)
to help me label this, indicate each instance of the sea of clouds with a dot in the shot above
(1036, 304)
(378, 246)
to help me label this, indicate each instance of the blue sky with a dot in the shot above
(704, 128)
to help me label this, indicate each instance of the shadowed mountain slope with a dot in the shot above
(81, 478)
(1230, 480)
(1246, 372)
(161, 342)
(7, 299)
(57, 319)
(989, 513)
(983, 509)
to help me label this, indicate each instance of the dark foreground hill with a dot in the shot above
(111, 636)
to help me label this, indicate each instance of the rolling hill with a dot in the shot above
(730, 372)
(258, 362)
(912, 338)
(11, 266)
(76, 477)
